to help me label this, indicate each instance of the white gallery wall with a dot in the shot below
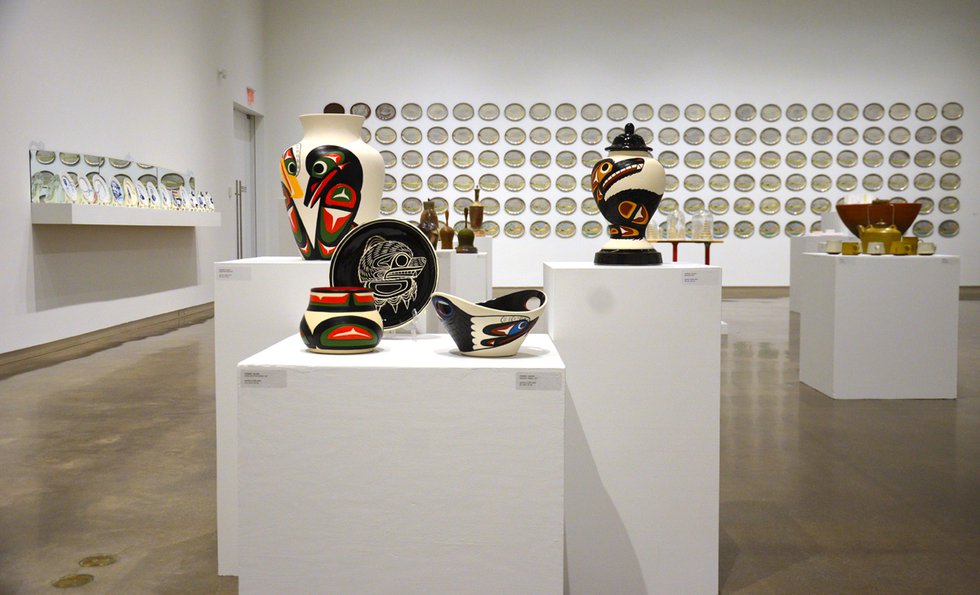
(119, 79)
(574, 51)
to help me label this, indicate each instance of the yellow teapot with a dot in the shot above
(879, 232)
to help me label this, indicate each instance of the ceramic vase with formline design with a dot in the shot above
(331, 182)
(341, 320)
(494, 328)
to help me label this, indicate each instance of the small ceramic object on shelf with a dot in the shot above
(331, 182)
(446, 234)
(341, 320)
(466, 235)
(850, 248)
(628, 186)
(476, 214)
(926, 248)
(494, 328)
(832, 247)
(875, 248)
(429, 222)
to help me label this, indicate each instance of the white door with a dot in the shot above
(244, 189)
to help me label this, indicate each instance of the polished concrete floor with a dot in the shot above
(113, 453)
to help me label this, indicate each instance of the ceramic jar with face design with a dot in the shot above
(627, 186)
(331, 182)
(341, 320)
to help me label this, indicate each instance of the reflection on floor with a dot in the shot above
(113, 453)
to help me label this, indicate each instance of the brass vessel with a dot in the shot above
(879, 232)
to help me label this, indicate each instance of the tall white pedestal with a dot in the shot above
(642, 431)
(406, 470)
(257, 301)
(463, 275)
(881, 327)
(800, 281)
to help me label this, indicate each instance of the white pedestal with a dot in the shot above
(800, 281)
(485, 244)
(406, 470)
(642, 432)
(881, 327)
(463, 275)
(257, 301)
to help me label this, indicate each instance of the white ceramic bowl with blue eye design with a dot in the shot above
(494, 328)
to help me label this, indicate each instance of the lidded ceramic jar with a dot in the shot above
(627, 186)
(331, 182)
(341, 320)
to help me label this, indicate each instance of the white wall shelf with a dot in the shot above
(65, 214)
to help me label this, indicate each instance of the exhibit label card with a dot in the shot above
(705, 277)
(539, 381)
(233, 273)
(262, 378)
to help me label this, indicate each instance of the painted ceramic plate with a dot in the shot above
(719, 160)
(671, 183)
(591, 112)
(156, 201)
(393, 259)
(514, 206)
(950, 158)
(795, 182)
(540, 229)
(769, 229)
(744, 182)
(461, 203)
(872, 182)
(948, 205)
(899, 135)
(874, 112)
(489, 158)
(694, 159)
(437, 182)
(540, 206)
(744, 205)
(389, 158)
(667, 136)
(719, 182)
(771, 159)
(821, 183)
(365, 136)
(951, 135)
(718, 206)
(949, 182)
(565, 229)
(847, 136)
(566, 159)
(515, 112)
(412, 159)
(489, 111)
(667, 159)
(412, 182)
(923, 228)
(488, 136)
(846, 182)
(390, 183)
(770, 113)
(71, 159)
(489, 182)
(719, 135)
(926, 111)
(69, 189)
(515, 136)
(769, 205)
(412, 135)
(385, 111)
(744, 229)
(133, 199)
(667, 206)
(770, 183)
(745, 136)
(48, 157)
(514, 158)
(899, 111)
(566, 206)
(720, 112)
(693, 205)
(92, 160)
(719, 230)
(441, 204)
(617, 112)
(514, 229)
(796, 112)
(873, 159)
(669, 112)
(565, 183)
(565, 112)
(540, 135)
(463, 159)
(411, 111)
(388, 206)
(643, 112)
(694, 112)
(437, 159)
(847, 111)
(514, 182)
(166, 195)
(745, 112)
(822, 136)
(566, 135)
(847, 158)
(816, 226)
(952, 111)
(924, 181)
(144, 196)
(437, 111)
(463, 111)
(822, 112)
(949, 228)
(795, 229)
(924, 158)
(795, 206)
(589, 206)
(591, 229)
(927, 205)
(118, 197)
(822, 159)
(463, 183)
(693, 183)
(925, 135)
(898, 158)
(490, 228)
(462, 135)
(796, 135)
(898, 182)
(694, 136)
(361, 109)
(437, 135)
(540, 182)
(745, 160)
(491, 206)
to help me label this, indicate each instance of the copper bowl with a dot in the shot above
(901, 214)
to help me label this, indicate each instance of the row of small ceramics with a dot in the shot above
(93, 189)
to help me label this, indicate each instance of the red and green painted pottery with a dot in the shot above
(341, 320)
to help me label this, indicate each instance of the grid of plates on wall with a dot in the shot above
(766, 169)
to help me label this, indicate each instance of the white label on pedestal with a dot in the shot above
(538, 381)
(233, 273)
(708, 277)
(264, 379)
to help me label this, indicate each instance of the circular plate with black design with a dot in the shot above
(393, 259)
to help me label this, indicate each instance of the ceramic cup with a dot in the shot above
(341, 320)
(927, 248)
(495, 328)
(832, 246)
(876, 248)
(851, 248)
